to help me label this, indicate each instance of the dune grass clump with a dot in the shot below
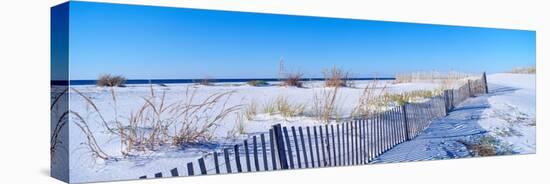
(156, 123)
(257, 83)
(485, 146)
(108, 80)
(369, 101)
(325, 104)
(251, 110)
(270, 108)
(286, 109)
(293, 79)
(282, 106)
(240, 125)
(336, 77)
(409, 96)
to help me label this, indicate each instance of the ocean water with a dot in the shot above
(183, 81)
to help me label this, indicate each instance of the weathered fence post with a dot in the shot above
(280, 146)
(190, 171)
(216, 163)
(484, 78)
(405, 121)
(202, 166)
(446, 99)
(273, 151)
(174, 172)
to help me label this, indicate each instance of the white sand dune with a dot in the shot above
(473, 117)
(507, 113)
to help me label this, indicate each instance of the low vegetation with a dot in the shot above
(251, 110)
(435, 77)
(336, 77)
(406, 97)
(257, 83)
(156, 123)
(293, 79)
(486, 146)
(108, 80)
(525, 70)
(370, 100)
(325, 104)
(282, 106)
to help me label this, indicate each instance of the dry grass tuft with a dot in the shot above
(325, 104)
(282, 106)
(370, 100)
(251, 110)
(485, 146)
(60, 116)
(286, 109)
(336, 77)
(293, 79)
(108, 80)
(409, 96)
(157, 123)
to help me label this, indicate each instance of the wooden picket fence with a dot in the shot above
(355, 142)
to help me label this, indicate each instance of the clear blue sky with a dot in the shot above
(143, 42)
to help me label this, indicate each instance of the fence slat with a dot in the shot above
(202, 166)
(310, 147)
(339, 145)
(238, 158)
(390, 130)
(365, 148)
(190, 171)
(361, 160)
(316, 147)
(356, 137)
(264, 151)
(247, 156)
(279, 138)
(288, 148)
(227, 162)
(394, 125)
(380, 141)
(174, 172)
(304, 151)
(158, 175)
(333, 145)
(352, 129)
(322, 140)
(255, 152)
(272, 148)
(328, 146)
(348, 153)
(297, 147)
(216, 163)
